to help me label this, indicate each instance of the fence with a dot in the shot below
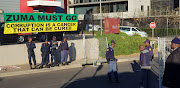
(164, 49)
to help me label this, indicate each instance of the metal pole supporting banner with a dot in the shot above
(101, 16)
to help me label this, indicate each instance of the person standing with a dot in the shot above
(145, 63)
(30, 48)
(171, 77)
(64, 51)
(45, 49)
(112, 65)
(148, 47)
(53, 45)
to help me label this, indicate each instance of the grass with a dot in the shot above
(125, 44)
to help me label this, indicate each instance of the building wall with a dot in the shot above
(134, 10)
(9, 6)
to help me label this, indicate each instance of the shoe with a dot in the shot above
(31, 67)
(35, 66)
(66, 63)
(52, 65)
(41, 67)
(47, 66)
(62, 64)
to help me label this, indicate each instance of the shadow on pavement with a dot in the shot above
(1, 79)
(153, 78)
(127, 80)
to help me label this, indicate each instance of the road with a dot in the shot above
(85, 77)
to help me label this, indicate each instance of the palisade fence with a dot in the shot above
(164, 49)
(94, 49)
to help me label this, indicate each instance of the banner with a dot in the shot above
(39, 22)
(111, 25)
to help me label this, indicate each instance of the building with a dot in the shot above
(31, 6)
(110, 8)
(164, 7)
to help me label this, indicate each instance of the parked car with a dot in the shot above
(90, 27)
(131, 31)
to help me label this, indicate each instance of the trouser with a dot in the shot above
(64, 56)
(53, 53)
(31, 54)
(112, 67)
(45, 58)
(145, 77)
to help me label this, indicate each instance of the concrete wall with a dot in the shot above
(17, 54)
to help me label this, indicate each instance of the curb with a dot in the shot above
(26, 72)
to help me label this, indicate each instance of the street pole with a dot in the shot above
(101, 16)
(152, 33)
(167, 21)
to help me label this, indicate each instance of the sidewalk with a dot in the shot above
(24, 69)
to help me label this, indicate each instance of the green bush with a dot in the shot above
(158, 32)
(124, 44)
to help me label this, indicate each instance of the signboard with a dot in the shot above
(39, 22)
(111, 25)
(152, 25)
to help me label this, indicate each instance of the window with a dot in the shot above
(148, 10)
(133, 29)
(142, 8)
(38, 10)
(124, 29)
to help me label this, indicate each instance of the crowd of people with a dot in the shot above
(47, 49)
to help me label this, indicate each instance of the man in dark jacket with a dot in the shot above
(64, 51)
(31, 46)
(45, 49)
(171, 77)
(145, 63)
(148, 47)
(53, 45)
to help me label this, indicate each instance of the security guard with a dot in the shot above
(53, 45)
(45, 49)
(148, 47)
(112, 65)
(64, 51)
(31, 46)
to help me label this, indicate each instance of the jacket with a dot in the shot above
(145, 58)
(171, 77)
(45, 48)
(110, 54)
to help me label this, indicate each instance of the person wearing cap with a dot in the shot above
(148, 47)
(145, 63)
(45, 49)
(171, 77)
(64, 51)
(30, 48)
(53, 45)
(112, 65)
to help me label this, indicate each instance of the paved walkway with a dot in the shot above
(81, 77)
